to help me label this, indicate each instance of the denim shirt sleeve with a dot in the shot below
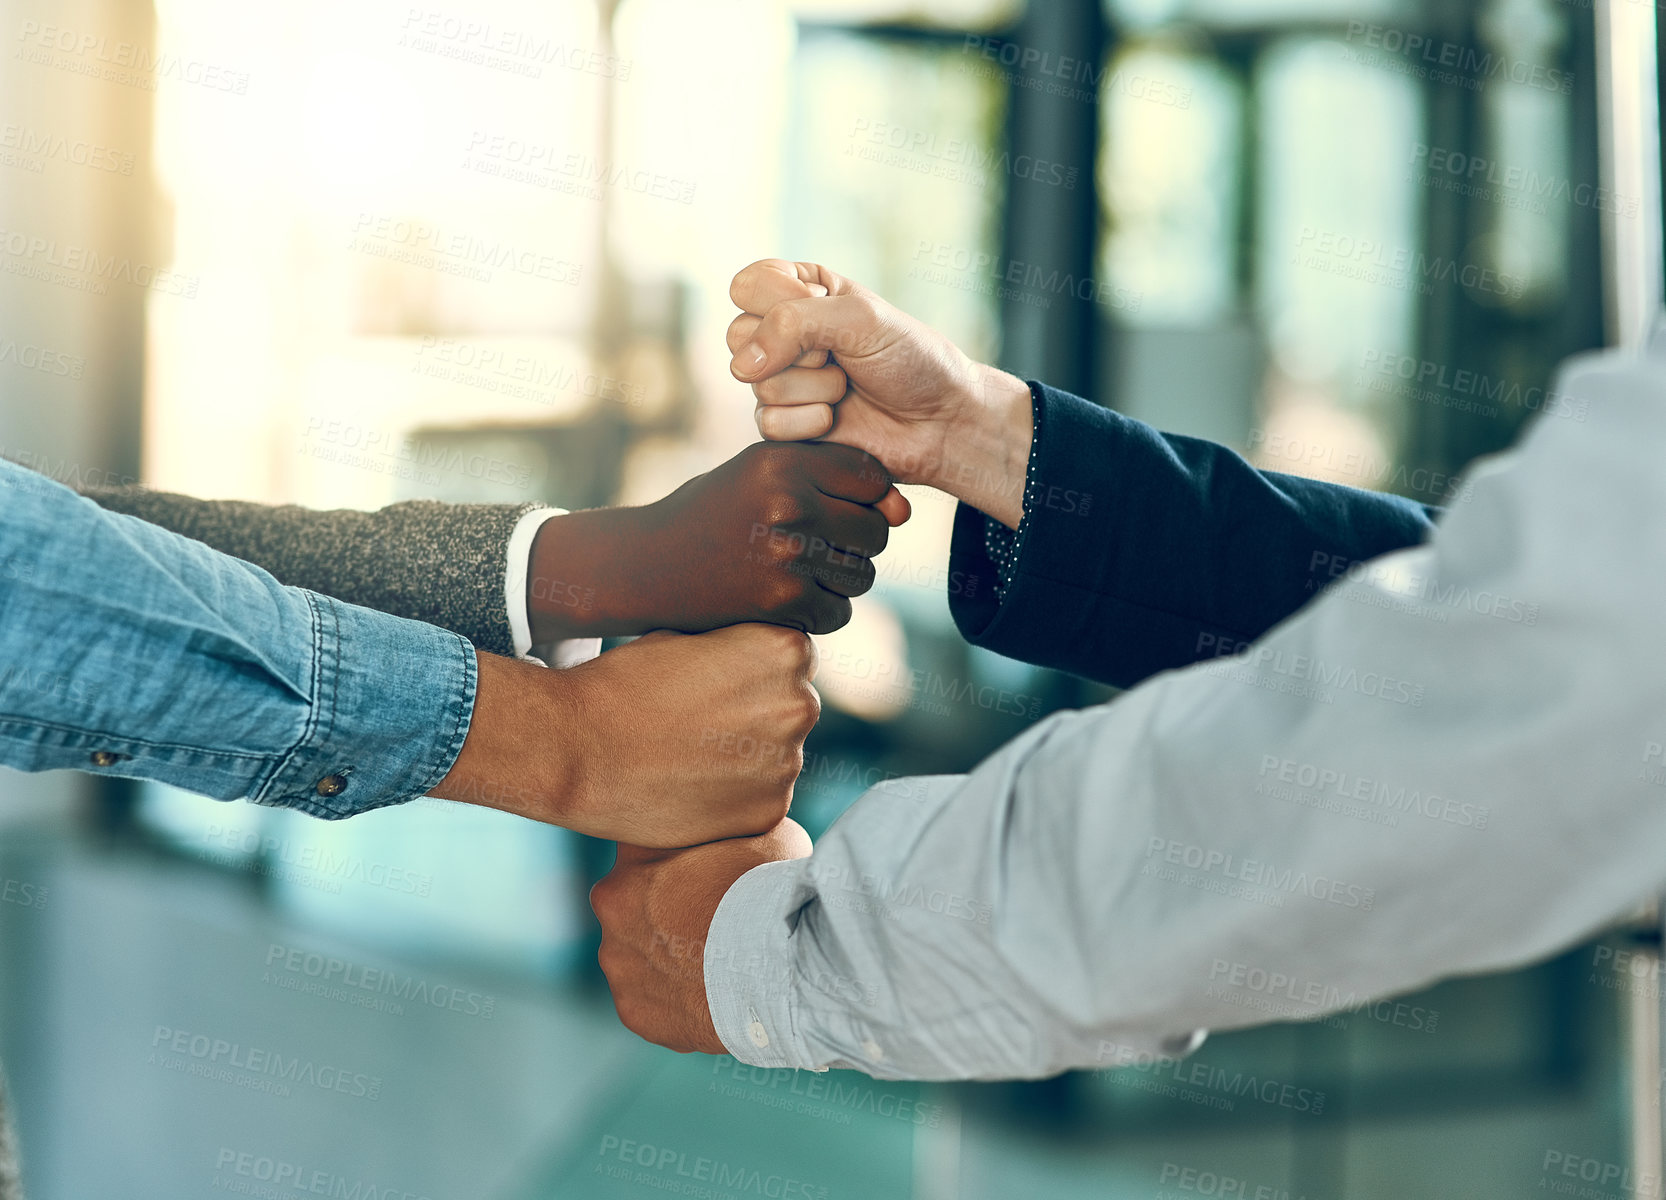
(128, 650)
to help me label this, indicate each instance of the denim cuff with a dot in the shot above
(391, 704)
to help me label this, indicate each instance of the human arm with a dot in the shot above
(128, 650)
(444, 564)
(1440, 768)
(1133, 551)
(778, 533)
(1141, 552)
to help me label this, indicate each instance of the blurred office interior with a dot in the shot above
(1257, 221)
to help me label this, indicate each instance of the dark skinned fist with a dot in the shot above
(783, 534)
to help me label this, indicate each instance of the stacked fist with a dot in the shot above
(891, 399)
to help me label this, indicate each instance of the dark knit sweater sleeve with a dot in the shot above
(441, 563)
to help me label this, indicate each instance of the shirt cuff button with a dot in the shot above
(331, 785)
(105, 758)
(759, 1035)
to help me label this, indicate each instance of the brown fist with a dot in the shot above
(685, 739)
(656, 910)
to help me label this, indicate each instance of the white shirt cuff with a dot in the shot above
(749, 972)
(568, 653)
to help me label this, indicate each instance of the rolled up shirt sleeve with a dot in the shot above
(128, 650)
(936, 933)
(1450, 764)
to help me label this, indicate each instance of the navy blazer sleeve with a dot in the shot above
(1144, 551)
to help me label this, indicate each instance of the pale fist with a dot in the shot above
(656, 910)
(827, 358)
(688, 738)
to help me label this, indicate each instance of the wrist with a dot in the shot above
(584, 578)
(509, 761)
(986, 447)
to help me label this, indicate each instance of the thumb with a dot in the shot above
(793, 328)
(895, 508)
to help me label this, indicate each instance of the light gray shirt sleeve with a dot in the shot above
(1452, 762)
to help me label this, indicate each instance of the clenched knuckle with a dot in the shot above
(787, 770)
(741, 330)
(833, 616)
(772, 390)
(784, 585)
(782, 594)
(780, 804)
(802, 651)
(790, 646)
(784, 508)
(740, 287)
(601, 901)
